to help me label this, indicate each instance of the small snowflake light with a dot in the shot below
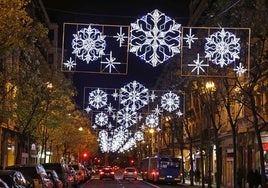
(190, 38)
(88, 109)
(158, 111)
(198, 65)
(155, 38)
(152, 121)
(70, 64)
(240, 69)
(170, 101)
(222, 48)
(110, 63)
(121, 37)
(126, 117)
(101, 119)
(88, 44)
(139, 136)
(97, 98)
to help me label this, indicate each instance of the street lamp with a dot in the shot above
(151, 131)
(210, 88)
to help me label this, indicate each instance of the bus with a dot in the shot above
(164, 169)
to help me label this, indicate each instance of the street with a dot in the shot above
(95, 182)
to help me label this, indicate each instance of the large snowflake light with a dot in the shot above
(134, 95)
(88, 44)
(155, 38)
(222, 48)
(97, 98)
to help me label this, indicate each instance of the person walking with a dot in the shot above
(257, 178)
(197, 176)
(239, 178)
(250, 178)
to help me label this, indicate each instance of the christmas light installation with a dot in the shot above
(155, 38)
(120, 117)
(126, 117)
(101, 119)
(170, 101)
(222, 48)
(88, 44)
(96, 48)
(190, 38)
(198, 65)
(152, 121)
(134, 95)
(110, 63)
(98, 98)
(218, 54)
(70, 64)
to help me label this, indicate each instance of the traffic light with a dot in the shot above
(85, 155)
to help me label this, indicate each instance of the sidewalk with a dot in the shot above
(198, 185)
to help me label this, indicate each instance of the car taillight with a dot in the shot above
(112, 172)
(101, 172)
(135, 172)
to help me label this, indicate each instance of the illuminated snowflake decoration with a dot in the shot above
(88, 109)
(110, 63)
(222, 48)
(198, 65)
(121, 37)
(131, 143)
(98, 98)
(101, 119)
(152, 121)
(70, 64)
(103, 139)
(170, 101)
(88, 44)
(134, 95)
(110, 109)
(240, 69)
(118, 139)
(157, 111)
(155, 38)
(139, 136)
(126, 117)
(190, 39)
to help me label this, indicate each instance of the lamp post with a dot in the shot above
(210, 88)
(151, 131)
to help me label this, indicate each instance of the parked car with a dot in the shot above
(75, 175)
(63, 173)
(130, 173)
(35, 174)
(80, 170)
(107, 172)
(3, 184)
(13, 178)
(52, 174)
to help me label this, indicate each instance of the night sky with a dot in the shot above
(116, 13)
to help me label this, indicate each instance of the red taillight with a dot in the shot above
(135, 172)
(112, 172)
(101, 172)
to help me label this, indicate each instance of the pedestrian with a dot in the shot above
(250, 178)
(197, 176)
(239, 178)
(257, 179)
